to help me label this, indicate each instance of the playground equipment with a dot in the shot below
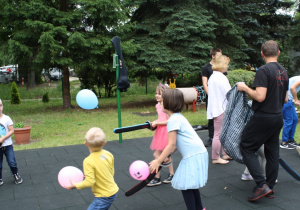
(193, 95)
(172, 85)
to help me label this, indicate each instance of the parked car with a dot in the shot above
(55, 74)
(6, 74)
(52, 74)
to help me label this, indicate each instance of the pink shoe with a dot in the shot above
(204, 208)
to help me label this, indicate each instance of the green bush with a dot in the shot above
(14, 94)
(45, 98)
(188, 80)
(241, 75)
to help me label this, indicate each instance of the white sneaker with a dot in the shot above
(298, 149)
(246, 177)
(287, 146)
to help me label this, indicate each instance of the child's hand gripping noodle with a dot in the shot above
(134, 127)
(144, 183)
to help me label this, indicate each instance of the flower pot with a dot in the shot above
(22, 135)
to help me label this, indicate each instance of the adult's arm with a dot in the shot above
(259, 94)
(294, 92)
(204, 83)
(286, 97)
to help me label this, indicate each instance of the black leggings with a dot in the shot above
(192, 199)
(211, 128)
(210, 124)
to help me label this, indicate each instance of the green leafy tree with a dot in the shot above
(63, 33)
(31, 26)
(92, 49)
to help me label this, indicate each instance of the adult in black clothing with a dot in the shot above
(269, 94)
(206, 73)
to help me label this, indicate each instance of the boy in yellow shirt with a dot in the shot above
(99, 171)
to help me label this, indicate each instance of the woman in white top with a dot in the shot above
(218, 86)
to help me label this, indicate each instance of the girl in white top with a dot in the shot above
(218, 86)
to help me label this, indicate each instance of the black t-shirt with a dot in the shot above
(274, 77)
(207, 71)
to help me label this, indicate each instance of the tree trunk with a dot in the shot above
(66, 88)
(31, 79)
(65, 71)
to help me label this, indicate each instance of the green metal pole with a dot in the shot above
(118, 97)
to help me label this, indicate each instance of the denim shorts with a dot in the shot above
(102, 203)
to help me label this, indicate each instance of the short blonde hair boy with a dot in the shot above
(95, 138)
(221, 63)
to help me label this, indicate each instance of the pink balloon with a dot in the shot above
(67, 173)
(139, 170)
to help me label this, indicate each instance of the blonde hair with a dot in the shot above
(95, 138)
(220, 63)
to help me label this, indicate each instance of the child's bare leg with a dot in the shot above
(170, 167)
(156, 154)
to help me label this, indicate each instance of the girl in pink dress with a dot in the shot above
(160, 138)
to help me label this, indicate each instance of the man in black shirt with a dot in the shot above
(206, 73)
(269, 94)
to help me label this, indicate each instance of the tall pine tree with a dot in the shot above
(261, 21)
(176, 36)
(295, 41)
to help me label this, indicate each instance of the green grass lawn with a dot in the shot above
(54, 126)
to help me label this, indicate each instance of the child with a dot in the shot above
(290, 116)
(192, 171)
(98, 170)
(160, 138)
(246, 176)
(6, 147)
(218, 86)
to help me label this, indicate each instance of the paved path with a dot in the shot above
(224, 190)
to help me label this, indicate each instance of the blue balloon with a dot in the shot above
(87, 99)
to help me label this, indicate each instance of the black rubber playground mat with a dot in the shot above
(224, 190)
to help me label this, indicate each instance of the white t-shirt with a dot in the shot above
(218, 86)
(292, 80)
(5, 121)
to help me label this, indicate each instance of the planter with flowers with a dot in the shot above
(22, 133)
